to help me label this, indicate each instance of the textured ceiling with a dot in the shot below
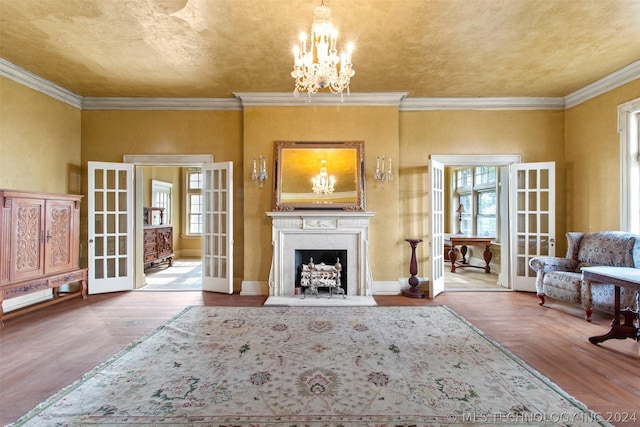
(429, 48)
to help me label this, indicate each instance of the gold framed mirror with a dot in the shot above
(319, 175)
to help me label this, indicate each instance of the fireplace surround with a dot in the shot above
(320, 230)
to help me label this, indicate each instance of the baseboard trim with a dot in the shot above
(254, 288)
(386, 288)
(26, 300)
(190, 253)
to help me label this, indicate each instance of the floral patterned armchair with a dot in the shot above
(561, 278)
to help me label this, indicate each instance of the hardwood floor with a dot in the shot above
(470, 280)
(184, 275)
(43, 351)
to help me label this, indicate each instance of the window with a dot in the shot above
(194, 201)
(161, 198)
(477, 200)
(629, 128)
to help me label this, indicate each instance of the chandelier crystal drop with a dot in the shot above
(323, 183)
(320, 67)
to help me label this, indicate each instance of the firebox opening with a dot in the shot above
(328, 256)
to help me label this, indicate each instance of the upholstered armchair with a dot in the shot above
(561, 278)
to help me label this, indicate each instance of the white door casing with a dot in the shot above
(629, 130)
(143, 160)
(110, 227)
(217, 230)
(532, 219)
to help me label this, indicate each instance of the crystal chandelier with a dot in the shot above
(323, 183)
(320, 67)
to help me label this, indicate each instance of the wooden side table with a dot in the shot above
(461, 240)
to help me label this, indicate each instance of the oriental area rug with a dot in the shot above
(313, 367)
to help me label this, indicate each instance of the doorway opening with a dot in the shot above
(125, 218)
(180, 220)
(468, 212)
(186, 270)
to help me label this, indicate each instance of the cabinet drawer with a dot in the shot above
(149, 236)
(150, 251)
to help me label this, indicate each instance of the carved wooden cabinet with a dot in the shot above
(158, 244)
(39, 246)
(158, 239)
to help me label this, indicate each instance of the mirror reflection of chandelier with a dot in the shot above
(323, 183)
(320, 67)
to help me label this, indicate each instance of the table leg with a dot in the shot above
(453, 255)
(463, 251)
(618, 331)
(487, 258)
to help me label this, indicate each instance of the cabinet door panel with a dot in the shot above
(59, 241)
(27, 217)
(165, 241)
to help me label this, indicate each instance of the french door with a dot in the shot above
(111, 254)
(110, 225)
(436, 228)
(532, 219)
(217, 233)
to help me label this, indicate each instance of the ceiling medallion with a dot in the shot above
(320, 67)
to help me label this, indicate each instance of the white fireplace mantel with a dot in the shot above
(312, 230)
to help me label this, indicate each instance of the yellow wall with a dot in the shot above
(39, 150)
(593, 160)
(108, 135)
(45, 145)
(537, 136)
(376, 126)
(401, 208)
(39, 141)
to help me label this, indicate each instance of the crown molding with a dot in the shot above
(476, 159)
(27, 78)
(168, 159)
(439, 104)
(132, 103)
(616, 79)
(284, 99)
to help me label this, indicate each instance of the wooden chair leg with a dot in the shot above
(587, 314)
(541, 297)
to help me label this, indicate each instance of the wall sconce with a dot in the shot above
(259, 171)
(381, 167)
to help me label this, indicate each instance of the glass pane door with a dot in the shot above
(110, 225)
(532, 219)
(217, 233)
